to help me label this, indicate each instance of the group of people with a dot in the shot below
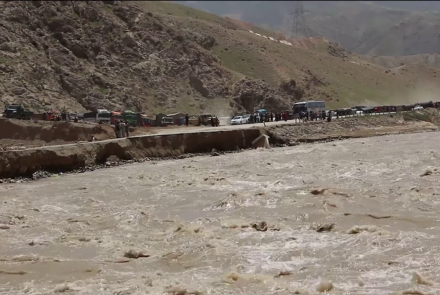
(268, 117)
(122, 129)
(313, 116)
(215, 121)
(303, 116)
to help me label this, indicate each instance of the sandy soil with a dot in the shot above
(353, 212)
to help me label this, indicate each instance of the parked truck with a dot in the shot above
(204, 120)
(131, 118)
(17, 111)
(115, 116)
(100, 116)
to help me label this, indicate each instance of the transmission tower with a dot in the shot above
(299, 27)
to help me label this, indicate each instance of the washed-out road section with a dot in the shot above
(70, 157)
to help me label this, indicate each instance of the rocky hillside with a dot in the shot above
(160, 56)
(399, 28)
(85, 55)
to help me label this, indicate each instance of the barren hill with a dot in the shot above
(365, 27)
(161, 56)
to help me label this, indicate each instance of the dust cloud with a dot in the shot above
(423, 92)
(348, 217)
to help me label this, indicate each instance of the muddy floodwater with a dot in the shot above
(363, 214)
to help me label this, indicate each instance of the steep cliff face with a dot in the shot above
(85, 55)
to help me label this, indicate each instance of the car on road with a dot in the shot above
(238, 120)
(418, 107)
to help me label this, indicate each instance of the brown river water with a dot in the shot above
(192, 217)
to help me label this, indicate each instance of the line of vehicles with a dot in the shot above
(105, 116)
(318, 107)
(134, 119)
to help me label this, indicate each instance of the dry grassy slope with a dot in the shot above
(346, 81)
(392, 62)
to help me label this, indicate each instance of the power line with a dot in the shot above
(299, 27)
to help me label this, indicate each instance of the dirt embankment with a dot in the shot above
(16, 133)
(73, 157)
(347, 128)
(68, 158)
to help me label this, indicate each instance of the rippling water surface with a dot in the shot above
(194, 217)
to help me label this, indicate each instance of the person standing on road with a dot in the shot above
(122, 125)
(118, 129)
(127, 127)
(186, 120)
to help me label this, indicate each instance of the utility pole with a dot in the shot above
(299, 27)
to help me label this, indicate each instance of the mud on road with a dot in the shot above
(259, 222)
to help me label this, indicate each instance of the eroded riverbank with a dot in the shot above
(88, 156)
(194, 219)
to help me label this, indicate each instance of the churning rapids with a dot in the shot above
(362, 214)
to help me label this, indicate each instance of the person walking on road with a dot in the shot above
(186, 120)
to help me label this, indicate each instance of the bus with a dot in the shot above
(307, 106)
